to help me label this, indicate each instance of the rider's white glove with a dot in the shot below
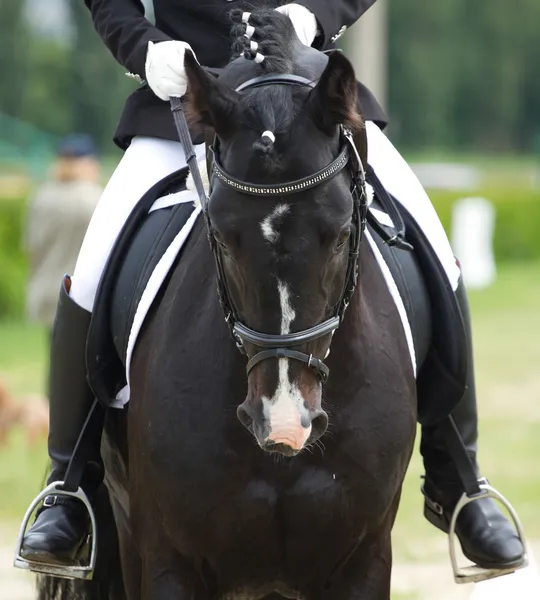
(303, 20)
(165, 72)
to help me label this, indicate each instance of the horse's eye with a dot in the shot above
(342, 240)
(219, 241)
(225, 249)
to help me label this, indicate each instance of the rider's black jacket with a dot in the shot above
(204, 24)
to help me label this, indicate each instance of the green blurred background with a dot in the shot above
(463, 88)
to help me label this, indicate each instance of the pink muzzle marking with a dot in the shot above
(294, 436)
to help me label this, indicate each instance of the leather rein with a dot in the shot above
(272, 345)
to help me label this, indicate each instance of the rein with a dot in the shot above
(272, 345)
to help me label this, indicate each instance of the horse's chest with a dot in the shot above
(285, 495)
(273, 520)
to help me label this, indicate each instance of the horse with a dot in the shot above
(282, 479)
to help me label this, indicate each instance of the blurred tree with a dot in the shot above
(60, 84)
(45, 103)
(422, 69)
(494, 82)
(13, 55)
(98, 84)
(464, 74)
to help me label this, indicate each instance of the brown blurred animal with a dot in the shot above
(30, 412)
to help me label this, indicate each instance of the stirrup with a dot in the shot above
(71, 572)
(475, 573)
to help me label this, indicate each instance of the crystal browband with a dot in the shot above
(283, 188)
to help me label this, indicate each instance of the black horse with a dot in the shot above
(267, 485)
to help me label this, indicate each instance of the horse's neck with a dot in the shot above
(189, 310)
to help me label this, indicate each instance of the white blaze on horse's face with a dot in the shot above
(286, 412)
(287, 311)
(269, 227)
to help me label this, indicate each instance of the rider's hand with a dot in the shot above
(303, 20)
(165, 72)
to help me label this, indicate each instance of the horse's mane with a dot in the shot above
(274, 34)
(270, 108)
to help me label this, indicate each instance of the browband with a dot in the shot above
(298, 185)
(273, 79)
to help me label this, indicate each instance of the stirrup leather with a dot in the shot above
(475, 573)
(71, 572)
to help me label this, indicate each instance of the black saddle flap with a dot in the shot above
(441, 381)
(441, 345)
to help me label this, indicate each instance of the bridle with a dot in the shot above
(281, 346)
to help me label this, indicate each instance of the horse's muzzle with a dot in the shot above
(288, 436)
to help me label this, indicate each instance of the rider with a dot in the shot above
(147, 134)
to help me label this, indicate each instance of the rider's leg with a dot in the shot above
(61, 526)
(485, 534)
(145, 162)
(499, 545)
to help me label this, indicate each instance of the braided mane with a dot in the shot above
(270, 42)
(273, 34)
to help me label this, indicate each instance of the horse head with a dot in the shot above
(282, 220)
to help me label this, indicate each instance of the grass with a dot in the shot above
(23, 350)
(506, 322)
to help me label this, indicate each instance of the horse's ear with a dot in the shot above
(209, 103)
(334, 100)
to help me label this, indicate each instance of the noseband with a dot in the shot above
(282, 346)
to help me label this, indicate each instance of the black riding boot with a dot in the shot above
(486, 536)
(61, 526)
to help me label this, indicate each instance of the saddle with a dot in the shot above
(143, 240)
(433, 313)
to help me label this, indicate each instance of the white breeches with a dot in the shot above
(401, 182)
(147, 160)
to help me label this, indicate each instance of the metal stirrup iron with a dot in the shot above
(474, 573)
(474, 490)
(71, 572)
(71, 488)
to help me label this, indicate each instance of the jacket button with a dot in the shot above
(338, 34)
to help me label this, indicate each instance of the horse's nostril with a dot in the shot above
(319, 424)
(244, 417)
